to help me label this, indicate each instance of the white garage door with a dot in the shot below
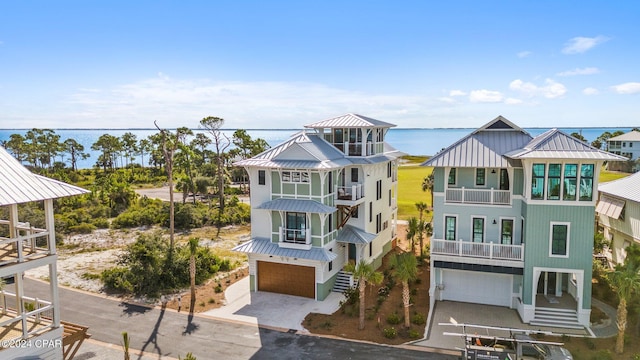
(477, 287)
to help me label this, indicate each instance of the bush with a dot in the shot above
(414, 334)
(418, 319)
(83, 228)
(394, 319)
(390, 333)
(117, 279)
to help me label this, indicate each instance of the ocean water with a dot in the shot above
(410, 141)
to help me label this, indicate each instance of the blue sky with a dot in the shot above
(282, 64)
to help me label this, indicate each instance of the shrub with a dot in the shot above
(83, 228)
(414, 334)
(393, 319)
(418, 319)
(218, 289)
(101, 223)
(390, 333)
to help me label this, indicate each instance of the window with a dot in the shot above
(570, 181)
(506, 231)
(330, 262)
(452, 177)
(504, 179)
(330, 225)
(378, 189)
(370, 211)
(296, 227)
(330, 183)
(261, 177)
(553, 190)
(354, 175)
(449, 228)
(389, 169)
(630, 144)
(480, 177)
(537, 182)
(559, 239)
(355, 211)
(586, 182)
(379, 135)
(378, 223)
(295, 176)
(371, 249)
(389, 197)
(478, 230)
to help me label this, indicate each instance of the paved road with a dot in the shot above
(167, 334)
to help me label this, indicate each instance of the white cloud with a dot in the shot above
(457, 93)
(580, 44)
(590, 91)
(627, 88)
(183, 102)
(512, 101)
(447, 100)
(550, 90)
(485, 96)
(524, 54)
(580, 71)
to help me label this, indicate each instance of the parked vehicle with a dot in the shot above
(518, 347)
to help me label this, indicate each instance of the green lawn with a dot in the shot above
(410, 190)
(611, 175)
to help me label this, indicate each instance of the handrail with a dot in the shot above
(488, 250)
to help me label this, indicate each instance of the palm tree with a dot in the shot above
(427, 184)
(405, 269)
(193, 247)
(364, 272)
(125, 345)
(625, 281)
(413, 228)
(422, 208)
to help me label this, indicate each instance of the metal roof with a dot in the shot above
(630, 136)
(266, 247)
(626, 188)
(349, 121)
(19, 185)
(555, 144)
(353, 235)
(484, 148)
(297, 205)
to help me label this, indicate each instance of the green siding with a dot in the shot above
(316, 188)
(252, 283)
(518, 181)
(323, 290)
(438, 179)
(275, 182)
(538, 225)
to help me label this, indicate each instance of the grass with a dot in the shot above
(410, 189)
(611, 175)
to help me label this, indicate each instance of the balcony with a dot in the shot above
(478, 196)
(358, 148)
(25, 247)
(295, 238)
(491, 251)
(349, 195)
(34, 321)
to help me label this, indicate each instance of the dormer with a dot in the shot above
(353, 134)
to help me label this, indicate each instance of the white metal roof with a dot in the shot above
(266, 247)
(484, 147)
(353, 235)
(630, 136)
(555, 144)
(626, 188)
(297, 205)
(19, 185)
(349, 121)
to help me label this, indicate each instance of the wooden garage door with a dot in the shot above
(287, 279)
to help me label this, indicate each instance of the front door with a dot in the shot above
(352, 253)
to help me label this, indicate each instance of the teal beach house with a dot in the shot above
(324, 197)
(513, 222)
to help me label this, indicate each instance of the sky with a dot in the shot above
(283, 64)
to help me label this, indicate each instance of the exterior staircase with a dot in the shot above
(344, 281)
(563, 318)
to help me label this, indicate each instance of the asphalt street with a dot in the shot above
(168, 334)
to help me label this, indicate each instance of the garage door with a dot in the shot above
(477, 287)
(287, 279)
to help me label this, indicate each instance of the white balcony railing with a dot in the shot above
(477, 250)
(295, 236)
(478, 196)
(35, 320)
(32, 243)
(351, 193)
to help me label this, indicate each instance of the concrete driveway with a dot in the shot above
(269, 309)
